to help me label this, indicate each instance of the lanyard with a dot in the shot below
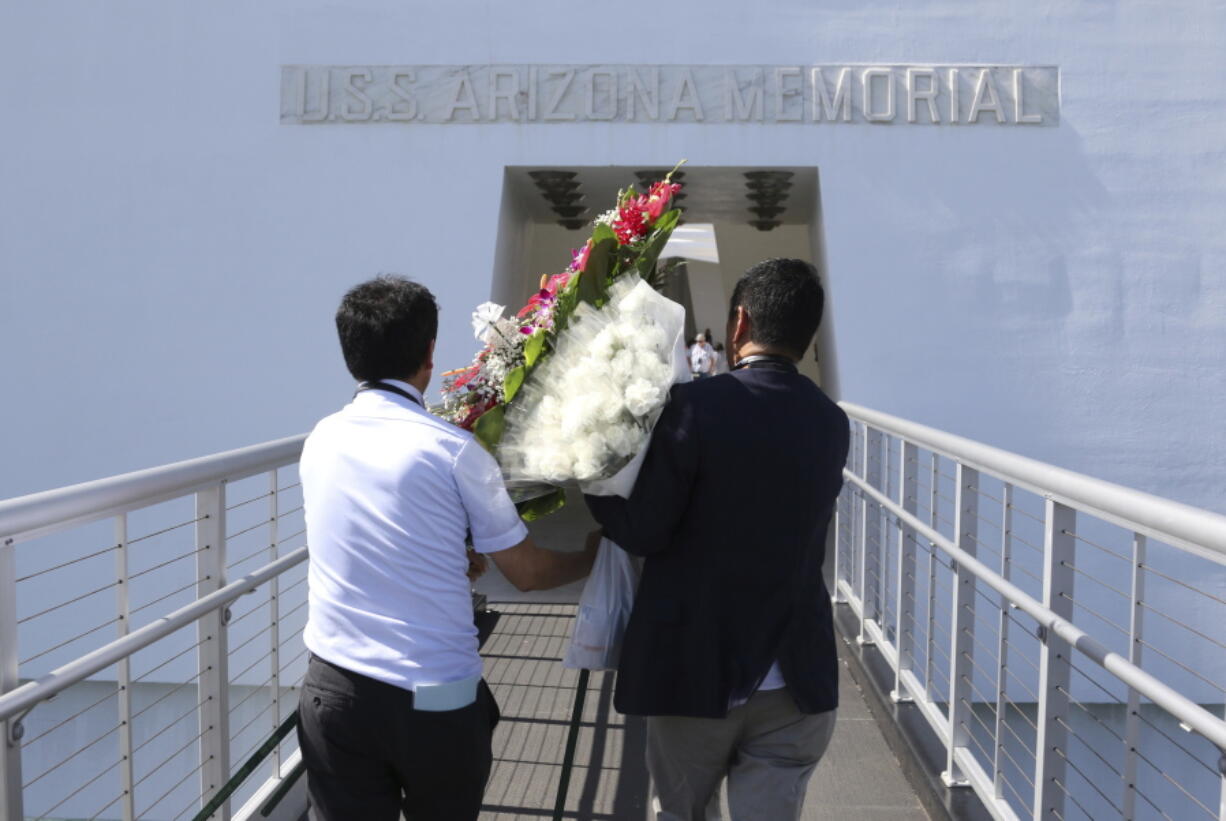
(383, 386)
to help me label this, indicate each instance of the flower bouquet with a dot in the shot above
(568, 390)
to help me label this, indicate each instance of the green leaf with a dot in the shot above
(655, 243)
(664, 272)
(542, 506)
(489, 427)
(533, 347)
(568, 300)
(602, 232)
(511, 384)
(593, 282)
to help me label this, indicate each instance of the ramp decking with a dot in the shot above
(859, 778)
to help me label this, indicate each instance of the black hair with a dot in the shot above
(386, 326)
(784, 300)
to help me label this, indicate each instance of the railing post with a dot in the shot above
(869, 517)
(1059, 549)
(274, 612)
(1221, 768)
(834, 541)
(905, 573)
(962, 622)
(123, 669)
(1132, 722)
(1002, 641)
(854, 499)
(213, 651)
(883, 541)
(10, 744)
(933, 521)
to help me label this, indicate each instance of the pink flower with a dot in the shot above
(658, 198)
(579, 257)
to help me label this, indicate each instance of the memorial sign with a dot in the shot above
(814, 95)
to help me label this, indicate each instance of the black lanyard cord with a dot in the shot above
(383, 386)
(764, 360)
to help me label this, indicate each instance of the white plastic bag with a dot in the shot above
(604, 610)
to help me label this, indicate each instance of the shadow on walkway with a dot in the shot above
(523, 644)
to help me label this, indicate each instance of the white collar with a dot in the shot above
(404, 386)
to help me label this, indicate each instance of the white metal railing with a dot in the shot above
(150, 636)
(1060, 634)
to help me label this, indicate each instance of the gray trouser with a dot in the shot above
(766, 747)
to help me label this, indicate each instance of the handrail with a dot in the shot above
(28, 516)
(1178, 705)
(28, 695)
(1199, 531)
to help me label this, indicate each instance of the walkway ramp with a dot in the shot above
(859, 777)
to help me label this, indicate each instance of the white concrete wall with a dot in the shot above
(171, 255)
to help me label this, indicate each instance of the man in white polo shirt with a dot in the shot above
(394, 714)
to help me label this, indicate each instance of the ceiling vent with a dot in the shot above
(768, 192)
(561, 190)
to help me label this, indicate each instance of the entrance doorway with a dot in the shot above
(746, 213)
(750, 213)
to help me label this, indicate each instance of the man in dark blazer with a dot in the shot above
(730, 648)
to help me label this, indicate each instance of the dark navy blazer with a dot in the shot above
(731, 510)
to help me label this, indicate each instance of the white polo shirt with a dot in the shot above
(389, 492)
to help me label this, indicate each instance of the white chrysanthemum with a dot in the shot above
(605, 344)
(590, 457)
(653, 339)
(642, 397)
(612, 411)
(647, 365)
(624, 440)
(550, 412)
(621, 367)
(591, 405)
(550, 465)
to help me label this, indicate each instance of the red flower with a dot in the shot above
(464, 378)
(658, 198)
(475, 412)
(558, 281)
(631, 221)
(533, 304)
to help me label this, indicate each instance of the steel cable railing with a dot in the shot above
(1039, 668)
(143, 697)
(978, 574)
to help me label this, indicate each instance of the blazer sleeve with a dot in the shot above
(646, 522)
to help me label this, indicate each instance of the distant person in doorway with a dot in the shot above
(721, 359)
(730, 649)
(394, 716)
(702, 358)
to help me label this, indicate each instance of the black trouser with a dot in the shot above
(369, 755)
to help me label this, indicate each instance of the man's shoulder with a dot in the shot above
(412, 424)
(731, 387)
